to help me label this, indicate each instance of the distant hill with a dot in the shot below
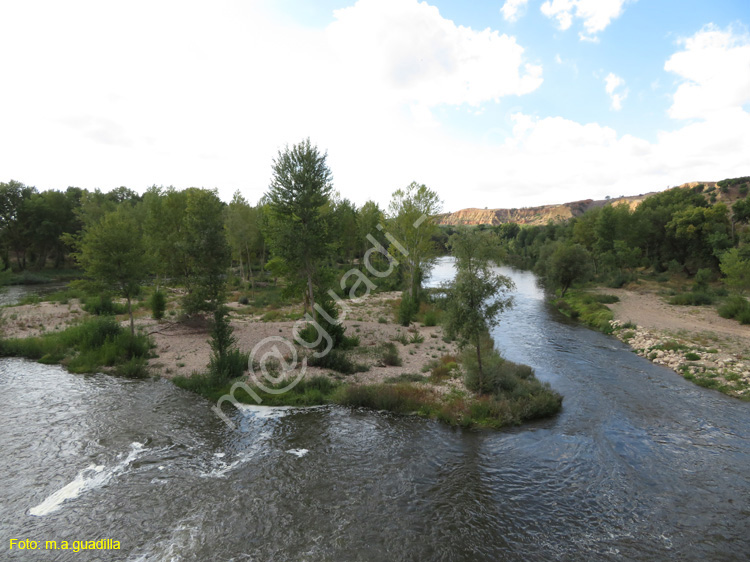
(545, 213)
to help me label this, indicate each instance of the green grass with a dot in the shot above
(398, 395)
(586, 308)
(86, 348)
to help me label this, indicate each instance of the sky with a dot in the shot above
(491, 103)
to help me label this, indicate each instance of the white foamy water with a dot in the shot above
(265, 411)
(298, 452)
(91, 477)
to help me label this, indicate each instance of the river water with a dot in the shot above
(640, 465)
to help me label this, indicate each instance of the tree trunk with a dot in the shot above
(479, 366)
(250, 271)
(311, 295)
(130, 311)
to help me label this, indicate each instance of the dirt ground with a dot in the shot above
(182, 348)
(650, 311)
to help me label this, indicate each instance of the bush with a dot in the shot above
(405, 377)
(338, 361)
(158, 304)
(407, 310)
(734, 307)
(619, 279)
(400, 398)
(606, 299)
(431, 318)
(390, 355)
(701, 280)
(243, 300)
(103, 305)
(232, 364)
(135, 368)
(416, 337)
(691, 299)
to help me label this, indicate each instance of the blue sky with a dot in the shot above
(503, 103)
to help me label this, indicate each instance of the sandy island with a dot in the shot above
(722, 346)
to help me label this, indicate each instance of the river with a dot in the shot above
(640, 465)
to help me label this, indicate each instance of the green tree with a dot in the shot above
(206, 251)
(411, 226)
(566, 264)
(163, 228)
(300, 189)
(243, 233)
(112, 253)
(477, 295)
(736, 268)
(343, 226)
(16, 226)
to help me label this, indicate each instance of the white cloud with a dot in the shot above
(714, 67)
(614, 87)
(512, 10)
(596, 14)
(408, 48)
(178, 93)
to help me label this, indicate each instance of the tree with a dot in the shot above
(112, 252)
(206, 251)
(343, 228)
(15, 224)
(163, 228)
(476, 296)
(243, 232)
(411, 226)
(300, 187)
(567, 264)
(736, 269)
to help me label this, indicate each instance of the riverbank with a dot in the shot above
(694, 341)
(389, 367)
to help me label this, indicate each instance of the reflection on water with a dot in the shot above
(640, 465)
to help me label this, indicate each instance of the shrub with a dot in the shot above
(735, 306)
(606, 299)
(243, 300)
(691, 299)
(232, 364)
(691, 356)
(407, 309)
(416, 337)
(701, 280)
(158, 304)
(338, 361)
(405, 377)
(440, 372)
(390, 355)
(103, 305)
(135, 368)
(400, 398)
(431, 318)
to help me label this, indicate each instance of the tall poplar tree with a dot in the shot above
(300, 187)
